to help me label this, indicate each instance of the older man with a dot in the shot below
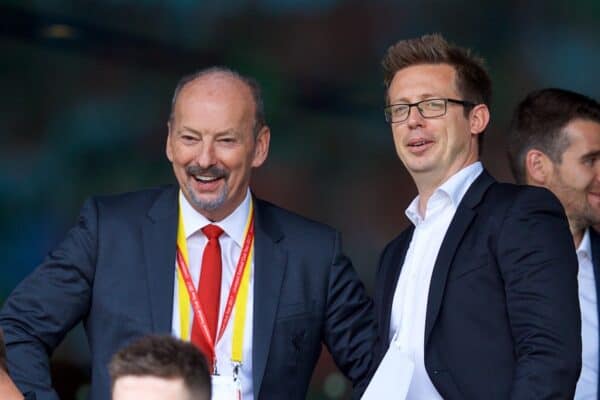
(256, 287)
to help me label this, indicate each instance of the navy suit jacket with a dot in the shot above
(115, 271)
(503, 313)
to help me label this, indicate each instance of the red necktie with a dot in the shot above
(209, 290)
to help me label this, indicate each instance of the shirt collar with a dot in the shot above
(454, 189)
(233, 225)
(585, 247)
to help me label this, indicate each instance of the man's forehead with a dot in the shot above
(132, 387)
(424, 71)
(216, 88)
(423, 80)
(217, 82)
(583, 130)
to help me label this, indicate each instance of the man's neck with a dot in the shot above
(426, 185)
(577, 227)
(577, 236)
(428, 182)
(423, 199)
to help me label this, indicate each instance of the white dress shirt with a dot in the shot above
(409, 307)
(231, 242)
(587, 385)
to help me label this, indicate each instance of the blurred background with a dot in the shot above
(86, 89)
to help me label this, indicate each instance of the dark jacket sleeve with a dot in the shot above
(47, 304)
(349, 329)
(538, 263)
(386, 279)
(381, 319)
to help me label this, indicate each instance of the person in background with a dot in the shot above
(159, 367)
(554, 142)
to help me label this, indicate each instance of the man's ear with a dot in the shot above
(479, 118)
(168, 143)
(538, 167)
(261, 148)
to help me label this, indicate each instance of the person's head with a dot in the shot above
(217, 134)
(435, 138)
(159, 367)
(554, 142)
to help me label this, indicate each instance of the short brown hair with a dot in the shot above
(539, 121)
(472, 80)
(164, 357)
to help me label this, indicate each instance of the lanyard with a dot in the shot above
(238, 293)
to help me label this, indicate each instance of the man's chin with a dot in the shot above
(208, 203)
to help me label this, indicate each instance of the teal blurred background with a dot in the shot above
(86, 89)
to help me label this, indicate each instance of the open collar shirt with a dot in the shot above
(587, 385)
(409, 307)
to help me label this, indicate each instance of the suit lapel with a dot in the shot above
(595, 244)
(270, 260)
(458, 226)
(159, 234)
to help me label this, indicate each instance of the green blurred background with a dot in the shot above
(86, 89)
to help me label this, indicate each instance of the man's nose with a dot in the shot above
(415, 118)
(206, 155)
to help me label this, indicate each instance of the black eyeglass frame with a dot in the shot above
(464, 103)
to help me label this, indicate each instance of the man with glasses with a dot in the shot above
(555, 143)
(477, 300)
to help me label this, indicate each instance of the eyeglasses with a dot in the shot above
(430, 108)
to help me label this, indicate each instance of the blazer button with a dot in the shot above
(435, 371)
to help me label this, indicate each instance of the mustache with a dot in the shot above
(213, 171)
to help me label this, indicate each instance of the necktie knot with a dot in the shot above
(212, 231)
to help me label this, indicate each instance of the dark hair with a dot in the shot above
(259, 113)
(3, 363)
(164, 357)
(472, 79)
(538, 123)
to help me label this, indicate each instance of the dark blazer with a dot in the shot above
(115, 271)
(503, 313)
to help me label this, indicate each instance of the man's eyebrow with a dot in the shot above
(227, 132)
(188, 129)
(425, 96)
(591, 154)
(216, 134)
